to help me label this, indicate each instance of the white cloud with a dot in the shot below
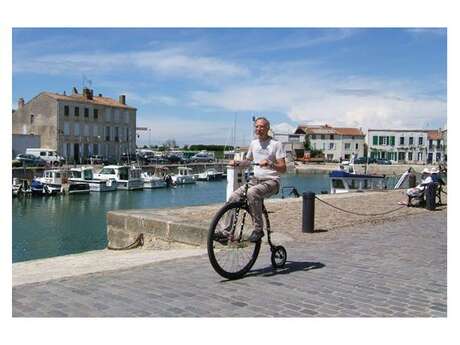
(165, 62)
(283, 128)
(355, 102)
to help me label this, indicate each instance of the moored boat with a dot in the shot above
(86, 175)
(345, 180)
(127, 177)
(184, 176)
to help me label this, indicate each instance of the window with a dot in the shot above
(420, 140)
(392, 140)
(66, 128)
(401, 140)
(42, 153)
(430, 144)
(331, 146)
(384, 140)
(357, 146)
(95, 114)
(411, 140)
(116, 133)
(375, 140)
(86, 130)
(347, 146)
(322, 136)
(381, 140)
(108, 115)
(313, 136)
(126, 116)
(107, 133)
(332, 136)
(66, 110)
(409, 156)
(31, 118)
(77, 111)
(77, 129)
(86, 112)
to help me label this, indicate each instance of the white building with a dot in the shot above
(406, 146)
(335, 142)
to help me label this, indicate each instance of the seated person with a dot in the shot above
(418, 190)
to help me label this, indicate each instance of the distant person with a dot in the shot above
(271, 159)
(419, 190)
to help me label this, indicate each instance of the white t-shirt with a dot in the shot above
(269, 149)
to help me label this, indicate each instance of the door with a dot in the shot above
(76, 153)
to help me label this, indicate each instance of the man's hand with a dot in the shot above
(265, 163)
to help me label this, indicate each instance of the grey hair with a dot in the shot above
(262, 118)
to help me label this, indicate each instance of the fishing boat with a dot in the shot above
(345, 179)
(86, 175)
(49, 184)
(184, 176)
(127, 177)
(151, 181)
(210, 174)
(20, 187)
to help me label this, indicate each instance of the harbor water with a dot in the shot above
(58, 225)
(65, 224)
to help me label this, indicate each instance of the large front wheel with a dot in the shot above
(232, 258)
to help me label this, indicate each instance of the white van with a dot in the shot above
(48, 155)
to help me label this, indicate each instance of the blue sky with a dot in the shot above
(189, 84)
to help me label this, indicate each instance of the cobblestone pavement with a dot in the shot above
(394, 269)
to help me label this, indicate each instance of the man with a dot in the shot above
(270, 156)
(417, 191)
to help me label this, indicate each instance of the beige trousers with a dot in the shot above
(257, 192)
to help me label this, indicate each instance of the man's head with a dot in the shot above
(262, 127)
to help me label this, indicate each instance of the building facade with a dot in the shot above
(79, 125)
(407, 146)
(335, 142)
(21, 142)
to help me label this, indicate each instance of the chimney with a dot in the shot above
(20, 103)
(74, 91)
(122, 99)
(87, 93)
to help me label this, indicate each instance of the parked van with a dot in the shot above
(48, 155)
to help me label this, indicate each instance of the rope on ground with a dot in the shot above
(360, 214)
(139, 242)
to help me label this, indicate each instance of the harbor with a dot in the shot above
(386, 266)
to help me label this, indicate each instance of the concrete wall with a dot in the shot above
(23, 141)
(44, 121)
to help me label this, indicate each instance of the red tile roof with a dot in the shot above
(434, 135)
(326, 129)
(97, 100)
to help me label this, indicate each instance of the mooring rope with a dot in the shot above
(360, 214)
(139, 242)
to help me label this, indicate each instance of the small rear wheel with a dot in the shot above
(279, 256)
(234, 257)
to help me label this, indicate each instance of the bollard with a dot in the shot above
(308, 212)
(430, 196)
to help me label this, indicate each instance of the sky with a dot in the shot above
(203, 86)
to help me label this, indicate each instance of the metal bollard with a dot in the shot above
(430, 196)
(308, 212)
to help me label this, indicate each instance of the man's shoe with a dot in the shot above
(256, 236)
(221, 237)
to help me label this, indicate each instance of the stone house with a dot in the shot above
(78, 125)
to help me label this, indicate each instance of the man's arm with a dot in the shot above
(279, 165)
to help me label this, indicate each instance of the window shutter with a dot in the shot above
(375, 140)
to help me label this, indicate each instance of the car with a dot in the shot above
(362, 160)
(383, 161)
(202, 157)
(173, 159)
(30, 160)
(131, 157)
(95, 159)
(157, 160)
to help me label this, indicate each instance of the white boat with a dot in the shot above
(20, 186)
(345, 180)
(184, 176)
(127, 177)
(49, 184)
(85, 174)
(209, 175)
(152, 181)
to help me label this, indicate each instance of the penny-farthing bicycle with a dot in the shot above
(234, 257)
